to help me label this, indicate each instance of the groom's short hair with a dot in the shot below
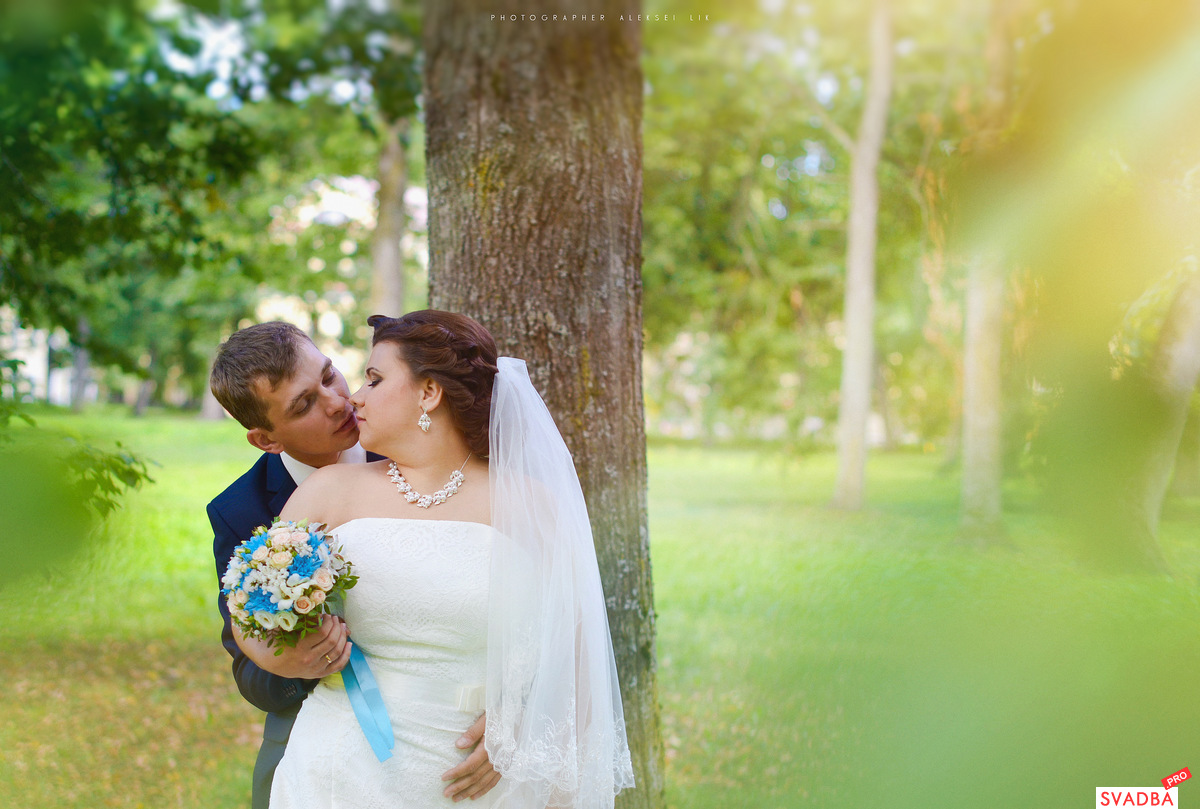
(266, 351)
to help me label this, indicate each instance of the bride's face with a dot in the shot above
(389, 402)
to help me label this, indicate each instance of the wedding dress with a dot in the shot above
(420, 614)
(456, 617)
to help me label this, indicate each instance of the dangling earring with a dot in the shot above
(424, 421)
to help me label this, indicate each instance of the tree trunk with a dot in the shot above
(534, 172)
(858, 357)
(50, 366)
(982, 458)
(80, 367)
(210, 408)
(983, 327)
(1173, 375)
(1117, 444)
(1186, 480)
(387, 260)
(144, 394)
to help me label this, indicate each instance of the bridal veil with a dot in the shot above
(555, 729)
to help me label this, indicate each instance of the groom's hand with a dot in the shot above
(474, 777)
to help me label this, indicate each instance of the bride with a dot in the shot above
(478, 590)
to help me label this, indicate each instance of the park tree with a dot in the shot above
(140, 194)
(534, 171)
(749, 144)
(986, 282)
(355, 58)
(149, 169)
(112, 161)
(858, 356)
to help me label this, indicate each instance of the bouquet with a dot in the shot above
(282, 579)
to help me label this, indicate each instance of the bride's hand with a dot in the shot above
(318, 654)
(474, 777)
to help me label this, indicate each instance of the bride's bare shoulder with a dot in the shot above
(328, 493)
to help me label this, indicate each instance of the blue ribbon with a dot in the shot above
(368, 704)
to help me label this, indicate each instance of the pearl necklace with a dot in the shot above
(426, 500)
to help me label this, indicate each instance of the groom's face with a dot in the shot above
(310, 413)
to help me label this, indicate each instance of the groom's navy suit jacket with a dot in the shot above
(252, 500)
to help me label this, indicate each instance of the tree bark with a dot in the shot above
(982, 452)
(854, 404)
(534, 172)
(144, 393)
(387, 260)
(981, 505)
(1186, 480)
(80, 367)
(210, 408)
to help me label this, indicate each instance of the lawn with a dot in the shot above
(807, 657)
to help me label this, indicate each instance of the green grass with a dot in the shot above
(815, 658)
(807, 657)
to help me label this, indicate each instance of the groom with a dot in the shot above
(296, 408)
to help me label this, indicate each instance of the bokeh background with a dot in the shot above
(976, 589)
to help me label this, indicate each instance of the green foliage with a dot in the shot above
(57, 489)
(747, 125)
(45, 472)
(12, 389)
(111, 162)
(1138, 336)
(147, 174)
(297, 48)
(102, 477)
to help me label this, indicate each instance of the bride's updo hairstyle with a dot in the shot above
(455, 351)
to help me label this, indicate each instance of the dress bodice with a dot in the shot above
(420, 604)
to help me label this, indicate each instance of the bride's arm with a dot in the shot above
(316, 655)
(327, 650)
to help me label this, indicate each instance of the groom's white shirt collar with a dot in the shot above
(299, 470)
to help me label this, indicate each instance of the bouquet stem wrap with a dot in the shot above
(368, 705)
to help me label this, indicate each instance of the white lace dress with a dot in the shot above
(419, 613)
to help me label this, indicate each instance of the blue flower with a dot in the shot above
(260, 600)
(305, 565)
(253, 544)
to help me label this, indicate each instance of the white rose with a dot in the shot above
(286, 620)
(281, 559)
(261, 553)
(304, 605)
(265, 619)
(323, 578)
(318, 597)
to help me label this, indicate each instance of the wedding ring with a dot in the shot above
(327, 660)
